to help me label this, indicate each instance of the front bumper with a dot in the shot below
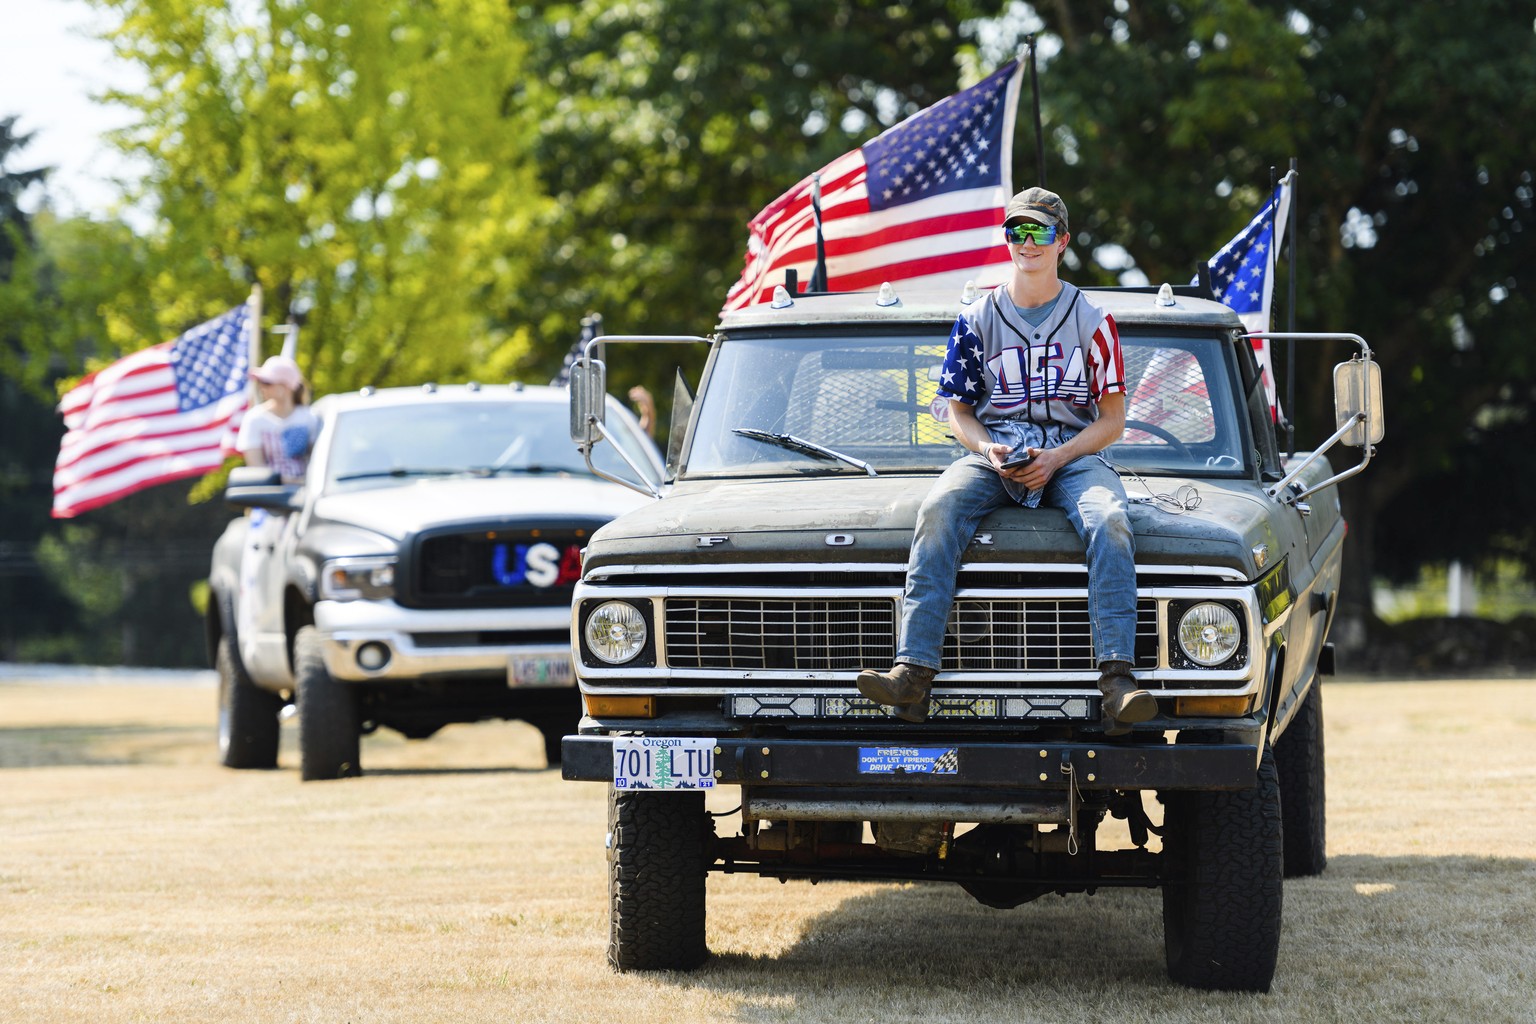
(977, 765)
(445, 643)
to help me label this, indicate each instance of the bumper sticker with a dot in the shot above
(909, 760)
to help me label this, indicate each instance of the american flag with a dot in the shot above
(922, 201)
(160, 414)
(1242, 273)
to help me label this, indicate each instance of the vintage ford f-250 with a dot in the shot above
(718, 632)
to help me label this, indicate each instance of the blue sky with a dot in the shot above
(49, 67)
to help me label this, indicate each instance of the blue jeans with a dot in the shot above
(1090, 493)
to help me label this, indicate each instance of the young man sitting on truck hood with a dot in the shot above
(1036, 389)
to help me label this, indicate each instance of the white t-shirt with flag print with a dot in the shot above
(1051, 374)
(284, 440)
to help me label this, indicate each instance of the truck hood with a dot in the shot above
(849, 519)
(407, 508)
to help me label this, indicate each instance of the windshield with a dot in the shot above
(368, 447)
(873, 398)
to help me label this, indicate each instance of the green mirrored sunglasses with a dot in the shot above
(1037, 233)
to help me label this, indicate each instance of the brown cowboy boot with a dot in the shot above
(1124, 703)
(904, 688)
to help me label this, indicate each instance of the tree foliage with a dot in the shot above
(446, 189)
(360, 160)
(665, 126)
(1415, 215)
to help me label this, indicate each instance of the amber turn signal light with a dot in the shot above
(600, 706)
(1216, 707)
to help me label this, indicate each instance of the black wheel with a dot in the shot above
(330, 733)
(1221, 903)
(248, 724)
(1299, 760)
(553, 734)
(656, 868)
(554, 727)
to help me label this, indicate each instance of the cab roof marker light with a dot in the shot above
(781, 299)
(968, 294)
(1165, 295)
(887, 296)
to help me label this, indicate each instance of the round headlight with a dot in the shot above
(615, 632)
(1209, 634)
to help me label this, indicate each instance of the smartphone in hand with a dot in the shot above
(1018, 458)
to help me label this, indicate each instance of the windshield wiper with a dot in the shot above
(801, 445)
(400, 472)
(536, 467)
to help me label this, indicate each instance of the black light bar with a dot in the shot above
(1035, 707)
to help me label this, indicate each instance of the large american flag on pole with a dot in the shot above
(159, 414)
(1242, 274)
(921, 202)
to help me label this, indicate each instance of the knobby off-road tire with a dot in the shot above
(1221, 907)
(330, 734)
(249, 730)
(1299, 760)
(656, 871)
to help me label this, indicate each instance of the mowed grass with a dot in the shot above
(462, 881)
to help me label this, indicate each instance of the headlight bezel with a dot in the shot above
(359, 578)
(643, 654)
(1183, 611)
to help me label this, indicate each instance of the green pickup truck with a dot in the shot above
(717, 634)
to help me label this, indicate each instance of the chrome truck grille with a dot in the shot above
(829, 635)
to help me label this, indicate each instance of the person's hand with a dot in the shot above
(645, 405)
(1037, 472)
(997, 454)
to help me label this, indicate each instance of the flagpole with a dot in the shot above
(819, 276)
(253, 334)
(1034, 85)
(1290, 313)
(290, 333)
(1273, 258)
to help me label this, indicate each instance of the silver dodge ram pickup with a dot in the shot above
(422, 575)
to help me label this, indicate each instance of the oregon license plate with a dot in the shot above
(541, 670)
(663, 762)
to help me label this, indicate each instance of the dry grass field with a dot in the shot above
(462, 881)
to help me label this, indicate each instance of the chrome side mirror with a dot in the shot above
(589, 394)
(1358, 412)
(1357, 392)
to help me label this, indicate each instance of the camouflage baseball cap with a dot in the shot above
(1038, 205)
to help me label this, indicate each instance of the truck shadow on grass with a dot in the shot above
(1372, 938)
(500, 769)
(101, 745)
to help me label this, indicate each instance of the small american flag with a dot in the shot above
(923, 201)
(160, 414)
(1242, 273)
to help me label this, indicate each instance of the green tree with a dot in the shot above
(358, 159)
(1415, 217)
(114, 587)
(666, 126)
(28, 430)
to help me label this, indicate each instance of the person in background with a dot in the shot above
(1036, 386)
(645, 408)
(279, 432)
